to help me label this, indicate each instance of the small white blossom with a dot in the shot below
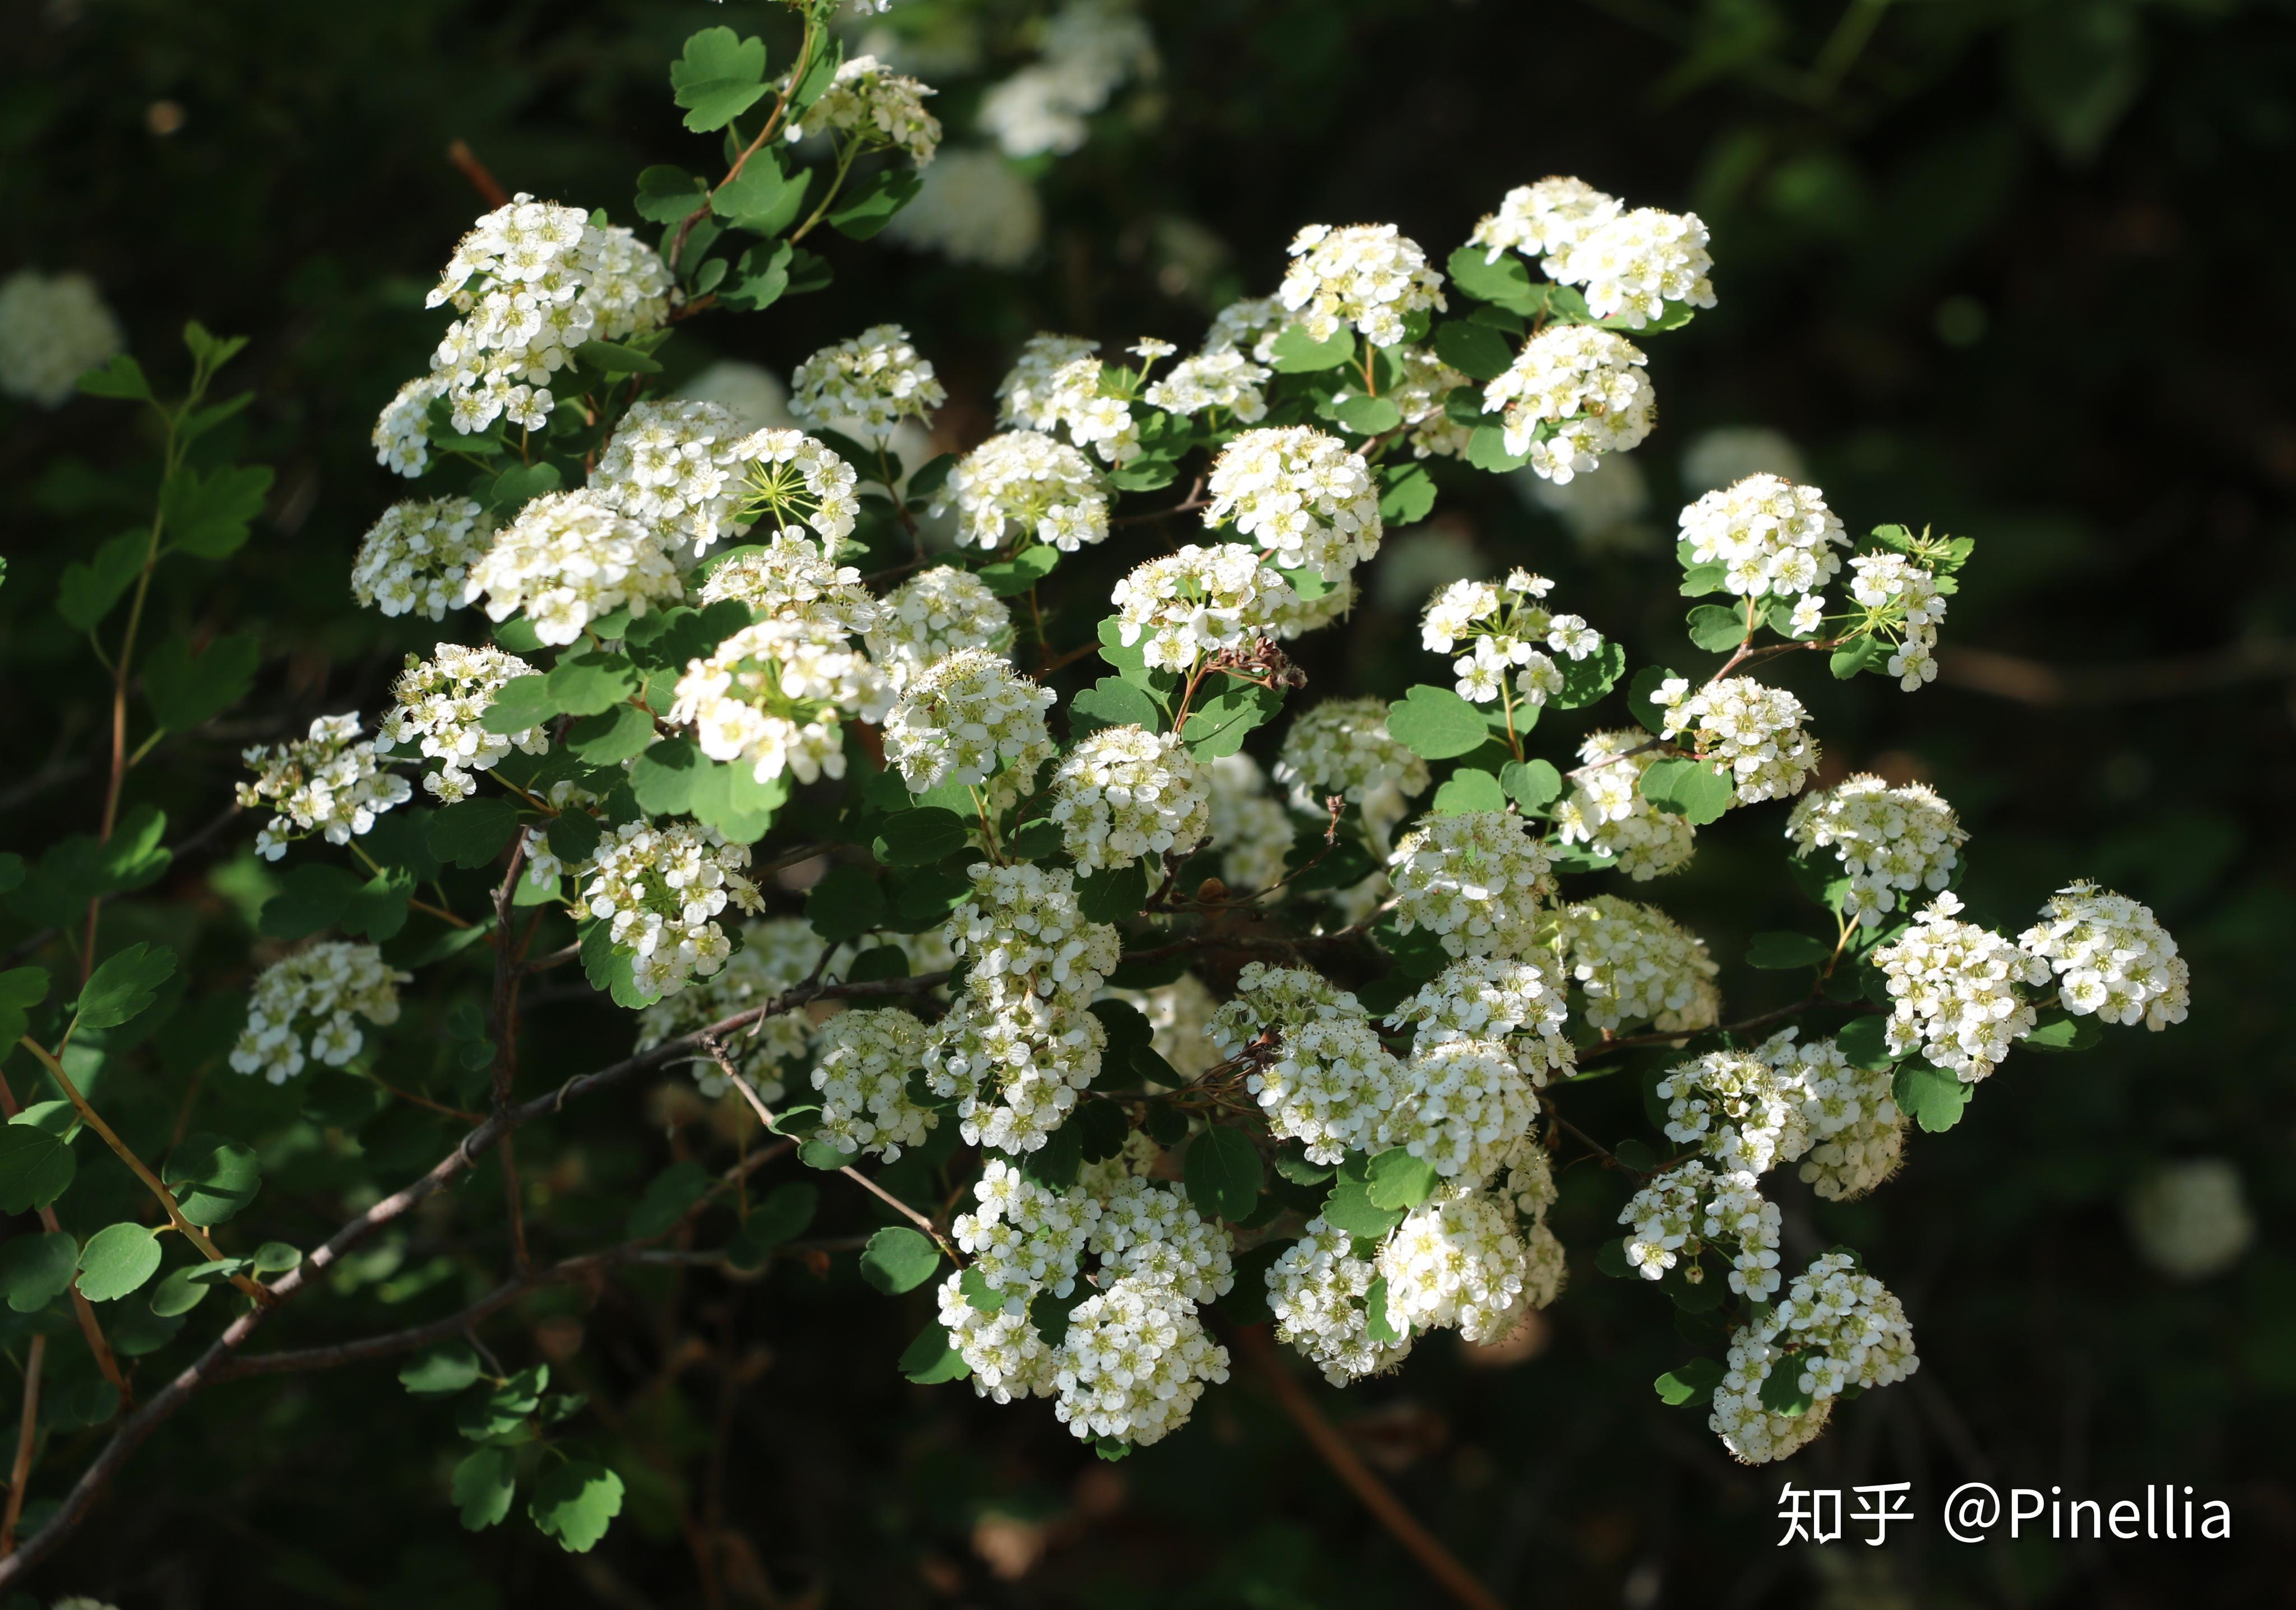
(963, 717)
(402, 430)
(1025, 486)
(314, 999)
(1677, 1215)
(1754, 730)
(1135, 1360)
(1317, 1290)
(1371, 276)
(1145, 1231)
(1227, 380)
(1302, 495)
(776, 955)
(659, 886)
(1007, 1357)
(54, 329)
(1740, 1109)
(1857, 1133)
(1458, 1260)
(1574, 393)
(1472, 878)
(1635, 963)
(328, 783)
(569, 558)
(872, 381)
(2111, 957)
(791, 579)
(1606, 811)
(1014, 1063)
(1463, 1105)
(414, 559)
(883, 109)
(1890, 841)
(1902, 599)
(1326, 1082)
(1768, 535)
(862, 1075)
(798, 480)
(1953, 991)
(1191, 604)
(1048, 383)
(1342, 746)
(670, 466)
(1122, 793)
(1546, 219)
(1505, 630)
(1519, 1003)
(441, 702)
(1250, 326)
(1634, 263)
(1835, 1329)
(775, 695)
(1026, 936)
(935, 613)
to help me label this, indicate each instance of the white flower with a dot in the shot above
(1007, 1357)
(963, 717)
(1835, 1329)
(1023, 1237)
(414, 559)
(1048, 383)
(2111, 957)
(775, 956)
(316, 997)
(1249, 826)
(1316, 1289)
(2191, 1218)
(441, 702)
(791, 579)
(567, 559)
(1472, 878)
(775, 695)
(1458, 1260)
(1326, 1082)
(795, 477)
(1014, 1063)
(1635, 963)
(670, 466)
(1574, 393)
(328, 783)
(1342, 746)
(1953, 991)
(1634, 263)
(1122, 793)
(1677, 1215)
(866, 1057)
(872, 381)
(402, 431)
(1753, 729)
(1464, 1106)
(1134, 1362)
(1091, 48)
(1421, 394)
(1768, 535)
(974, 208)
(1022, 486)
(1302, 495)
(1026, 938)
(1606, 811)
(1191, 604)
(1250, 325)
(659, 886)
(1369, 276)
(1227, 380)
(883, 109)
(1546, 219)
(1271, 1001)
(54, 329)
(934, 613)
(1890, 841)
(1857, 1132)
(1504, 630)
(1147, 1232)
(1742, 1109)
(1900, 595)
(1517, 1003)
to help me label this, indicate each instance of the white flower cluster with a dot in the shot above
(1193, 603)
(1635, 963)
(881, 108)
(1953, 991)
(1890, 841)
(1677, 1215)
(1091, 47)
(1458, 1260)
(1905, 596)
(869, 382)
(1342, 746)
(402, 430)
(2111, 957)
(1000, 1346)
(567, 559)
(532, 281)
(1024, 485)
(1250, 826)
(962, 718)
(1488, 998)
(1769, 535)
(1318, 1289)
(795, 478)
(440, 701)
(775, 695)
(1056, 384)
(1145, 1230)
(2191, 1218)
(54, 329)
(1420, 394)
(1319, 1070)
(1632, 263)
(1737, 1108)
(329, 782)
(1474, 879)
(1134, 1362)
(791, 579)
(670, 467)
(315, 996)
(1546, 219)
(414, 560)
(862, 1075)
(1856, 1133)
(1462, 1106)
(659, 886)
(1122, 793)
(1507, 629)
(1837, 1328)
(1250, 324)
(1371, 276)
(1574, 393)
(1225, 380)
(1024, 1237)
(1302, 495)
(1606, 811)
(1753, 729)
(934, 613)
(775, 956)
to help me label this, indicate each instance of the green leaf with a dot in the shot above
(185, 1289)
(1397, 1178)
(1349, 1208)
(1782, 1392)
(611, 737)
(870, 207)
(1467, 791)
(1486, 449)
(502, 1412)
(35, 1167)
(1113, 702)
(1130, 661)
(762, 277)
(2060, 1030)
(1112, 894)
(608, 968)
(1858, 654)
(611, 357)
(1717, 628)
(187, 688)
(1864, 1041)
(1222, 1174)
(783, 1215)
(1476, 351)
(117, 1260)
(1014, 577)
(213, 1178)
(22, 988)
(844, 903)
(1368, 416)
(755, 190)
(931, 1359)
(1056, 1164)
(1699, 791)
(924, 896)
(440, 1372)
(719, 77)
(667, 194)
(118, 376)
(1531, 784)
(1779, 952)
(1407, 494)
(1505, 283)
(574, 1501)
(2077, 67)
(898, 1259)
(484, 1484)
(1219, 726)
(1103, 1128)
(1377, 1325)
(1642, 690)
(917, 837)
(208, 516)
(124, 985)
(1690, 1383)
(276, 1258)
(1699, 580)
(1435, 723)
(662, 778)
(317, 895)
(36, 1269)
(471, 832)
(1930, 1096)
(521, 704)
(86, 592)
(666, 1199)
(1295, 352)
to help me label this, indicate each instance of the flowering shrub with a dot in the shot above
(1018, 810)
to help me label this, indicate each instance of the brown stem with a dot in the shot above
(28, 1432)
(106, 1361)
(466, 163)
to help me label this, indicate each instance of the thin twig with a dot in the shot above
(28, 1432)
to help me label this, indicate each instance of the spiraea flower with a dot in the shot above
(1227, 380)
(1123, 793)
(790, 475)
(311, 1003)
(1022, 1237)
(1462, 1106)
(1191, 604)
(1145, 1231)
(775, 695)
(1857, 1134)
(1318, 1291)
(1046, 383)
(1740, 1109)
(1507, 633)
(569, 558)
(414, 559)
(1633, 265)
(1472, 878)
(868, 384)
(1836, 1329)
(440, 704)
(1891, 842)
(1574, 393)
(1458, 1260)
(1026, 935)
(532, 281)
(1024, 486)
(862, 1075)
(1606, 811)
(328, 783)
(883, 109)
(1342, 746)
(934, 613)
(659, 886)
(776, 955)
(1420, 394)
(1953, 991)
(1135, 1360)
(54, 329)
(2111, 957)
(1013, 1064)
(1901, 600)
(962, 718)
(1249, 326)
(1634, 964)
(671, 466)
(402, 430)
(1517, 1003)
(1675, 1217)
(1271, 1001)
(1000, 1346)
(1325, 1082)
(1249, 825)
(1754, 730)
(1302, 495)
(791, 580)
(1768, 535)
(1546, 219)
(1371, 276)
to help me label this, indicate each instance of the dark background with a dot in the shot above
(2019, 271)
